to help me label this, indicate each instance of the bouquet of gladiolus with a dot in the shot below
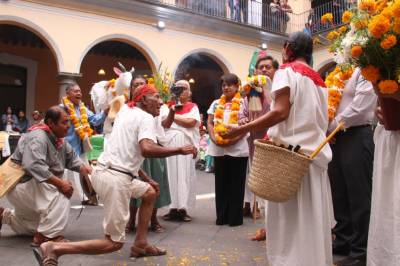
(162, 81)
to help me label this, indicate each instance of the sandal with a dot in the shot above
(47, 261)
(183, 216)
(157, 228)
(148, 251)
(260, 235)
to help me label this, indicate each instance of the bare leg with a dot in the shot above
(154, 220)
(145, 212)
(90, 247)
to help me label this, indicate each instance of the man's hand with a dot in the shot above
(155, 185)
(65, 187)
(233, 131)
(188, 149)
(85, 169)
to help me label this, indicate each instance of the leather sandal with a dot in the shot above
(157, 228)
(44, 261)
(147, 251)
(39, 239)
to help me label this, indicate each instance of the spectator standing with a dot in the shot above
(23, 124)
(284, 17)
(275, 14)
(36, 118)
(10, 120)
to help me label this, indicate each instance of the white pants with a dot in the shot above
(39, 207)
(75, 179)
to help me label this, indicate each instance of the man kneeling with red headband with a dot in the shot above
(133, 138)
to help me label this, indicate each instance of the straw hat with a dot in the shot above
(115, 106)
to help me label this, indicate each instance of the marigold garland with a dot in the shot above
(219, 127)
(82, 126)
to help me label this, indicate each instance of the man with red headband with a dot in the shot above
(133, 138)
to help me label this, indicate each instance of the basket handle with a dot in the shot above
(339, 127)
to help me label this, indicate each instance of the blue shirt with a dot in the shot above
(94, 120)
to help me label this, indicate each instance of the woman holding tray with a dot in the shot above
(299, 230)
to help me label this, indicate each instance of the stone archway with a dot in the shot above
(203, 70)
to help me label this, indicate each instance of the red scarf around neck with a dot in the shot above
(44, 127)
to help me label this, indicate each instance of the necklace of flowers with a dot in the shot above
(82, 127)
(219, 127)
(335, 83)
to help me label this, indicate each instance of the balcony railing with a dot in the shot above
(261, 15)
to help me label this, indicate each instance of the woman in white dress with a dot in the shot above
(181, 168)
(299, 230)
(384, 228)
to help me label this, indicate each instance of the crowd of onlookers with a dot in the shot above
(18, 122)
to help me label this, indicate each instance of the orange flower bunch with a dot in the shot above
(347, 15)
(335, 82)
(327, 18)
(368, 6)
(82, 126)
(219, 127)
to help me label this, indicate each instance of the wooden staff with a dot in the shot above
(339, 127)
(254, 208)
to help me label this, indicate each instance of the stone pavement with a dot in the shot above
(200, 242)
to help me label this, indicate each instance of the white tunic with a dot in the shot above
(384, 229)
(299, 230)
(181, 168)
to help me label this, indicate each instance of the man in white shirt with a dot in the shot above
(350, 170)
(133, 138)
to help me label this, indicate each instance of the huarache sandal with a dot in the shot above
(157, 228)
(47, 261)
(148, 251)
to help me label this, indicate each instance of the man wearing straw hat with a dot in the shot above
(350, 171)
(299, 230)
(132, 138)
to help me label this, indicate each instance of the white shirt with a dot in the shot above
(122, 151)
(358, 103)
(308, 119)
(239, 149)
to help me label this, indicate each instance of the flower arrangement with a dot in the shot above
(254, 90)
(82, 126)
(162, 81)
(370, 42)
(219, 127)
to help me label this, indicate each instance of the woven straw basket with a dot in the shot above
(276, 173)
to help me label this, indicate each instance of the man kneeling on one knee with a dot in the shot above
(133, 138)
(42, 198)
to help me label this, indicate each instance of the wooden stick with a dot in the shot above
(339, 127)
(254, 208)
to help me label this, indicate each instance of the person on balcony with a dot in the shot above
(133, 137)
(42, 198)
(9, 120)
(275, 13)
(182, 168)
(299, 230)
(284, 16)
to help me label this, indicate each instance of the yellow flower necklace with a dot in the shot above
(219, 127)
(82, 127)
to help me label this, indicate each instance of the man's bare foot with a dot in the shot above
(47, 249)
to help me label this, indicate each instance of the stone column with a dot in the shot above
(65, 79)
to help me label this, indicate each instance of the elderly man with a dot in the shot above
(81, 117)
(41, 199)
(133, 138)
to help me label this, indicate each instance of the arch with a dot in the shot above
(29, 25)
(217, 57)
(324, 64)
(136, 43)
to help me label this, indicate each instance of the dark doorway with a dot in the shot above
(12, 88)
(204, 73)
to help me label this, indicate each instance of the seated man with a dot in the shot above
(133, 138)
(42, 198)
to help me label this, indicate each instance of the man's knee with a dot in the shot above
(150, 195)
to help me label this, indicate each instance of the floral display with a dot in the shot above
(162, 81)
(219, 127)
(370, 42)
(254, 89)
(81, 125)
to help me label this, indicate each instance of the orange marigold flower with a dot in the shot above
(378, 26)
(371, 73)
(342, 29)
(333, 35)
(381, 5)
(347, 15)
(396, 9)
(328, 17)
(388, 86)
(356, 51)
(368, 5)
(396, 26)
(219, 113)
(389, 42)
(361, 24)
(387, 12)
